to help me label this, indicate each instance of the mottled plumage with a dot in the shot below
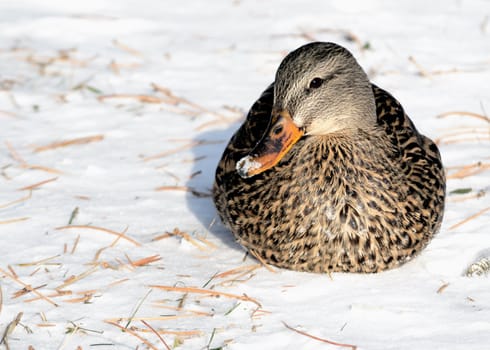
(361, 191)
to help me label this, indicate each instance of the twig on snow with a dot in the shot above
(353, 347)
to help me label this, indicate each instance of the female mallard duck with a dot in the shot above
(328, 173)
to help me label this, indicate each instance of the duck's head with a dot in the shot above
(319, 90)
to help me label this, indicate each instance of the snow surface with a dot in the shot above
(57, 58)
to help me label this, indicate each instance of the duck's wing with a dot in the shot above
(246, 137)
(418, 156)
(412, 145)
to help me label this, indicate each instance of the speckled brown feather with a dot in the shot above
(335, 203)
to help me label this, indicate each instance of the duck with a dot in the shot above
(327, 173)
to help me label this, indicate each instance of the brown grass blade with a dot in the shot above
(96, 228)
(181, 100)
(171, 151)
(11, 221)
(134, 334)
(65, 143)
(192, 333)
(150, 318)
(8, 114)
(468, 114)
(73, 279)
(116, 66)
(39, 262)
(178, 149)
(353, 347)
(467, 139)
(219, 121)
(25, 285)
(177, 308)
(20, 200)
(10, 328)
(25, 291)
(462, 132)
(239, 278)
(196, 290)
(162, 236)
(469, 218)
(126, 48)
(82, 299)
(115, 283)
(41, 168)
(24, 165)
(138, 97)
(38, 184)
(238, 270)
(75, 245)
(14, 154)
(12, 271)
(469, 170)
(118, 238)
(189, 189)
(157, 334)
(189, 238)
(441, 288)
(258, 313)
(477, 195)
(146, 261)
(56, 294)
(264, 264)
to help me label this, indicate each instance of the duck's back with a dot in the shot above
(418, 155)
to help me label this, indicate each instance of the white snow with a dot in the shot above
(246, 165)
(84, 69)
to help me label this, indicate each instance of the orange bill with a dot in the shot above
(277, 141)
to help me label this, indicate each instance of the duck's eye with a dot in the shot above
(316, 83)
(277, 130)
